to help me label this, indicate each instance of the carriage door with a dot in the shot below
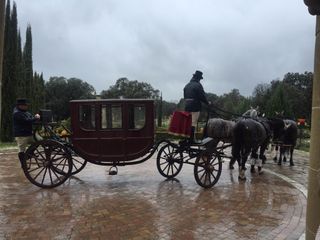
(85, 139)
(138, 141)
(112, 134)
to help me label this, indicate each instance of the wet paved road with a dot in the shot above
(139, 204)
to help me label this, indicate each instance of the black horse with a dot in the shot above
(286, 139)
(248, 136)
(220, 130)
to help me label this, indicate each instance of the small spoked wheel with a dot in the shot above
(207, 169)
(169, 161)
(47, 164)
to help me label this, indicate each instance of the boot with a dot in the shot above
(192, 135)
(191, 139)
(21, 158)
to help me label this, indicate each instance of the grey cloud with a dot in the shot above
(236, 45)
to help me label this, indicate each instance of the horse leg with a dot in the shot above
(262, 156)
(291, 156)
(235, 152)
(231, 163)
(280, 156)
(275, 157)
(285, 151)
(244, 156)
(253, 158)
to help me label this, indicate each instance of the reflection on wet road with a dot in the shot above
(139, 203)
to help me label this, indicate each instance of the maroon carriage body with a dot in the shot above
(116, 130)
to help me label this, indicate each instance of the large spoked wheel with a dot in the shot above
(169, 161)
(47, 164)
(207, 169)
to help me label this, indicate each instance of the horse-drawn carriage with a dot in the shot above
(113, 133)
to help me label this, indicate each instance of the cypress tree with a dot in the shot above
(5, 74)
(38, 91)
(27, 61)
(21, 88)
(9, 72)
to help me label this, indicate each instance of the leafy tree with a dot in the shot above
(261, 94)
(279, 102)
(130, 89)
(234, 103)
(59, 91)
(301, 89)
(168, 108)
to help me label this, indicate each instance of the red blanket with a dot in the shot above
(180, 124)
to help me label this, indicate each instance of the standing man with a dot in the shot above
(193, 96)
(22, 126)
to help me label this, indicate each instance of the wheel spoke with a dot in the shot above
(74, 159)
(50, 176)
(56, 174)
(166, 167)
(174, 165)
(214, 177)
(40, 154)
(34, 169)
(169, 161)
(202, 176)
(163, 162)
(209, 177)
(44, 175)
(39, 173)
(54, 151)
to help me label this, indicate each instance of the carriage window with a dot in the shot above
(137, 116)
(87, 117)
(111, 116)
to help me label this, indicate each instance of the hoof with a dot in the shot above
(291, 164)
(263, 157)
(242, 178)
(275, 159)
(260, 170)
(279, 163)
(252, 170)
(231, 166)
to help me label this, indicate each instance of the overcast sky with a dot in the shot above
(237, 43)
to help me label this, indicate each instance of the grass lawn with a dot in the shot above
(4, 145)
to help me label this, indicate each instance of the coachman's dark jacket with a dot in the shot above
(22, 123)
(194, 95)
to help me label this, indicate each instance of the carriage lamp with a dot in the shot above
(313, 6)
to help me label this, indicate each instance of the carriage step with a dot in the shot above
(113, 170)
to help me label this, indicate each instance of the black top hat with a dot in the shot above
(22, 101)
(198, 74)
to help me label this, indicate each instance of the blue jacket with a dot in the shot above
(22, 123)
(194, 94)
